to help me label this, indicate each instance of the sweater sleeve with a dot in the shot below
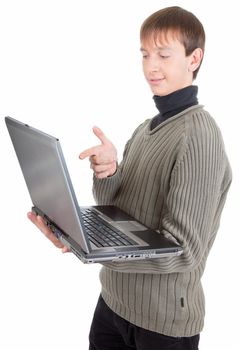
(198, 186)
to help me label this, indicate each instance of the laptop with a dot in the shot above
(97, 233)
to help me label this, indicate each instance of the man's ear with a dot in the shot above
(196, 58)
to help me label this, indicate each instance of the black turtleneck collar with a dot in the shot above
(174, 103)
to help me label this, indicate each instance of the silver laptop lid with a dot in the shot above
(47, 178)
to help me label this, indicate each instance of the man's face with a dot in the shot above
(165, 64)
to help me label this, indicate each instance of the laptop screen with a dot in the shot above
(47, 178)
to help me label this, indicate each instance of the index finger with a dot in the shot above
(93, 151)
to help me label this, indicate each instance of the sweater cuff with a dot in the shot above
(105, 189)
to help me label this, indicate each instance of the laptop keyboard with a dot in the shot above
(103, 234)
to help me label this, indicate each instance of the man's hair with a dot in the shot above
(184, 24)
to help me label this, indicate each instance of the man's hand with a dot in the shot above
(40, 224)
(103, 158)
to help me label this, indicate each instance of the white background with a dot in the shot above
(64, 67)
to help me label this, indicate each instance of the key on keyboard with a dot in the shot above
(101, 233)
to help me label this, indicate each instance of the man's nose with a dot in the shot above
(154, 65)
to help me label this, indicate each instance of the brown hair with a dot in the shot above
(188, 29)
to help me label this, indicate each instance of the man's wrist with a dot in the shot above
(114, 169)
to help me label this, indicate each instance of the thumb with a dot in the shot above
(101, 136)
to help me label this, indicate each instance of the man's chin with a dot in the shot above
(159, 92)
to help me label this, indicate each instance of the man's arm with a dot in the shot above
(105, 188)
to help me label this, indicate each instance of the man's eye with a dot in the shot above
(145, 54)
(164, 56)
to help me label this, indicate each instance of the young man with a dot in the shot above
(174, 177)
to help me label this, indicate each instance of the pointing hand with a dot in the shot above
(103, 158)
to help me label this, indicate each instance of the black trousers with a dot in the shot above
(111, 332)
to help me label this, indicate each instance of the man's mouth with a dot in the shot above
(155, 81)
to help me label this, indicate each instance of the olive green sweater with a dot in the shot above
(173, 178)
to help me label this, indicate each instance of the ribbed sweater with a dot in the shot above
(174, 179)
